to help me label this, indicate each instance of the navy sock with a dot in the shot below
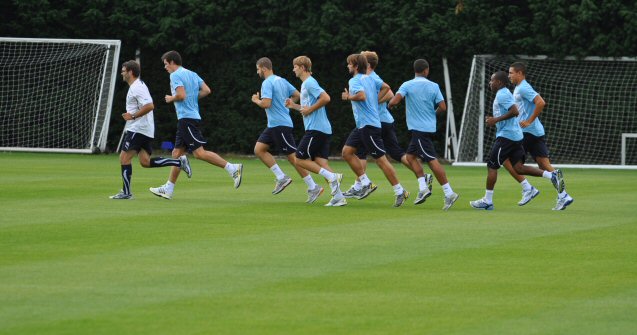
(161, 161)
(127, 174)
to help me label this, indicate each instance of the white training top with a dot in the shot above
(137, 97)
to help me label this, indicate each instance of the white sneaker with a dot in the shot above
(121, 196)
(312, 195)
(281, 184)
(336, 202)
(185, 165)
(527, 196)
(450, 200)
(237, 175)
(481, 204)
(161, 191)
(336, 183)
(563, 202)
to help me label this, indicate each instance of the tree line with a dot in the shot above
(221, 40)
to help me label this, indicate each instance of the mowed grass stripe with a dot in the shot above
(221, 260)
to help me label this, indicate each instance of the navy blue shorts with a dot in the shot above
(280, 138)
(188, 134)
(535, 145)
(504, 149)
(137, 142)
(394, 150)
(368, 138)
(314, 144)
(422, 145)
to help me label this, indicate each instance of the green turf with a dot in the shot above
(215, 260)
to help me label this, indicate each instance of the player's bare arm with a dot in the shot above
(513, 112)
(539, 106)
(395, 100)
(180, 95)
(147, 108)
(204, 91)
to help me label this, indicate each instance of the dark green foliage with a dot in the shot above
(222, 40)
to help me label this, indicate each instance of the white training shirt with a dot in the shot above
(138, 96)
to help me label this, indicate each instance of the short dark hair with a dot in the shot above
(172, 56)
(265, 62)
(359, 61)
(503, 77)
(420, 65)
(133, 66)
(519, 67)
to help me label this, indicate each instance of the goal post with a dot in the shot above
(56, 95)
(590, 103)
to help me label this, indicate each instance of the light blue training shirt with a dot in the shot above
(383, 112)
(507, 128)
(524, 95)
(191, 82)
(422, 97)
(278, 89)
(310, 92)
(366, 111)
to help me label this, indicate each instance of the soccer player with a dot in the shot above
(187, 88)
(139, 131)
(363, 93)
(279, 132)
(530, 104)
(508, 141)
(394, 150)
(314, 148)
(421, 96)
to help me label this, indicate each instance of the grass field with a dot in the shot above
(215, 260)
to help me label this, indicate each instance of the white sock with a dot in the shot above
(277, 172)
(327, 174)
(230, 168)
(547, 174)
(422, 183)
(447, 189)
(526, 185)
(309, 182)
(170, 187)
(488, 196)
(398, 189)
(364, 180)
(562, 195)
(358, 185)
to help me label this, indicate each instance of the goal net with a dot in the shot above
(56, 95)
(590, 115)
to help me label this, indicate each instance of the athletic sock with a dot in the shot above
(547, 175)
(161, 162)
(422, 183)
(327, 174)
(488, 196)
(562, 195)
(447, 189)
(364, 180)
(170, 186)
(278, 173)
(309, 182)
(398, 189)
(230, 168)
(127, 174)
(358, 185)
(526, 185)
